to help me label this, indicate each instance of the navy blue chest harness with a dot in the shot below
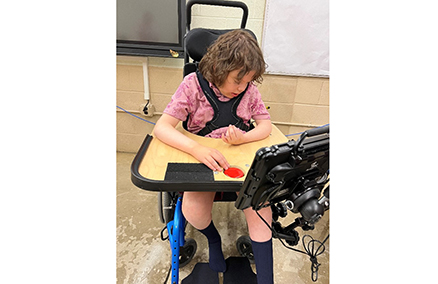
(224, 112)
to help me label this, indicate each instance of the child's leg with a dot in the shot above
(261, 240)
(196, 208)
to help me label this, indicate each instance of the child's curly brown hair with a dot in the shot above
(234, 50)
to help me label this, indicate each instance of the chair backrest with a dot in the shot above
(197, 41)
(227, 3)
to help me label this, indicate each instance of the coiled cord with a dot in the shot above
(310, 250)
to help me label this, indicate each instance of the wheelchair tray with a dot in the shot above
(160, 167)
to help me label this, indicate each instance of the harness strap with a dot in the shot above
(222, 110)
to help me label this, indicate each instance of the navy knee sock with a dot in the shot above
(216, 257)
(264, 261)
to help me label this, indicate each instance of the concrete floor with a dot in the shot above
(143, 258)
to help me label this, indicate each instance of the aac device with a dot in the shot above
(290, 176)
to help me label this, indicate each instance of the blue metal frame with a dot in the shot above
(175, 229)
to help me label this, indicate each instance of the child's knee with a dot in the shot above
(188, 209)
(258, 229)
(197, 212)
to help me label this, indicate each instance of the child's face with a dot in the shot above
(232, 87)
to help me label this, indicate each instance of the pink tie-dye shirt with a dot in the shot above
(189, 99)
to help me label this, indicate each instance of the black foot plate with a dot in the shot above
(202, 274)
(238, 272)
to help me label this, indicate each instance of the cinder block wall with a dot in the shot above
(295, 103)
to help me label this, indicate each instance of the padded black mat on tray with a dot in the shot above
(188, 172)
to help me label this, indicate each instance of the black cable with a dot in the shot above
(313, 254)
(310, 252)
(161, 234)
(168, 273)
(276, 235)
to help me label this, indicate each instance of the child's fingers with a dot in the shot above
(212, 158)
(228, 131)
(211, 163)
(220, 159)
(236, 133)
(232, 132)
(224, 138)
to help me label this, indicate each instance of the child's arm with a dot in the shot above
(166, 132)
(235, 137)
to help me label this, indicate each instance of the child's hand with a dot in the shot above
(233, 136)
(211, 157)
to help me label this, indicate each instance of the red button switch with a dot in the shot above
(234, 172)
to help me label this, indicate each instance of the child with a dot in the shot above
(228, 69)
